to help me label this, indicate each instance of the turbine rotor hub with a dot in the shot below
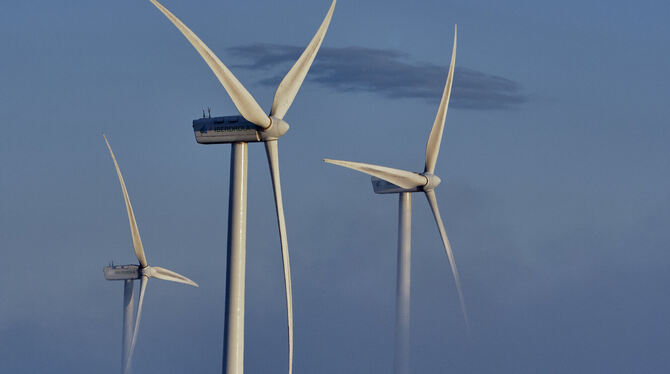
(433, 181)
(148, 271)
(277, 128)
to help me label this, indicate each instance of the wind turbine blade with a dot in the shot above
(242, 99)
(134, 231)
(401, 178)
(273, 160)
(435, 138)
(143, 287)
(291, 83)
(432, 201)
(169, 275)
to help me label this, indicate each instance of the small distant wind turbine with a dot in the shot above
(128, 273)
(388, 180)
(254, 125)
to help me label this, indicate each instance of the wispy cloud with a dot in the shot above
(386, 72)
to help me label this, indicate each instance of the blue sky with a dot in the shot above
(556, 202)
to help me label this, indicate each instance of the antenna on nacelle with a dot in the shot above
(209, 112)
(203, 112)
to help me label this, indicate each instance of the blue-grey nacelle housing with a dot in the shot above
(228, 129)
(122, 272)
(234, 129)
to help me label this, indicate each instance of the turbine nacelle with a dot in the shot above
(381, 186)
(122, 272)
(234, 129)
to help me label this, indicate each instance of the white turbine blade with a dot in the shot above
(435, 138)
(134, 231)
(273, 161)
(169, 275)
(432, 201)
(143, 287)
(242, 99)
(401, 178)
(291, 83)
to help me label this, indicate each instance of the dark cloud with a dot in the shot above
(387, 73)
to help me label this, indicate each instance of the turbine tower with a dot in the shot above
(252, 126)
(129, 273)
(388, 180)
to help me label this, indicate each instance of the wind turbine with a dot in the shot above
(129, 273)
(388, 180)
(252, 126)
